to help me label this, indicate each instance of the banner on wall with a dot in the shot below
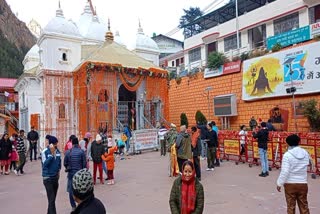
(269, 76)
(227, 68)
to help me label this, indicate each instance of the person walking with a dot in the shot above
(212, 141)
(170, 138)
(33, 138)
(196, 150)
(14, 158)
(243, 136)
(127, 132)
(83, 193)
(51, 166)
(262, 135)
(187, 195)
(96, 151)
(253, 123)
(5, 153)
(293, 176)
(183, 145)
(84, 144)
(203, 136)
(75, 159)
(161, 133)
(21, 149)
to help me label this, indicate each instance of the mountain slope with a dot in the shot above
(15, 41)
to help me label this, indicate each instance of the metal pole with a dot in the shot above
(237, 25)
(293, 101)
(208, 105)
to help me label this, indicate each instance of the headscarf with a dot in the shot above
(194, 138)
(188, 194)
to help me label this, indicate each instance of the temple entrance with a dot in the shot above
(127, 107)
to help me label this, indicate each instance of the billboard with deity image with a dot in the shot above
(271, 75)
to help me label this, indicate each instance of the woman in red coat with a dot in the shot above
(5, 153)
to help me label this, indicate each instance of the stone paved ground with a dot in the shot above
(142, 186)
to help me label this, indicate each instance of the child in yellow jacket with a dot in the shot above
(108, 157)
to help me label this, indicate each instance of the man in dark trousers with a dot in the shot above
(33, 138)
(262, 136)
(203, 136)
(51, 165)
(196, 150)
(212, 141)
(75, 159)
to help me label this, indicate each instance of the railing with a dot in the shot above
(148, 122)
(164, 121)
(120, 126)
(13, 119)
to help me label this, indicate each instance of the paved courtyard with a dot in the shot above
(142, 186)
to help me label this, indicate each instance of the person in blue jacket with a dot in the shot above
(127, 132)
(51, 165)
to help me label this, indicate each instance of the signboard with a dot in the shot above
(231, 147)
(290, 37)
(227, 68)
(232, 67)
(269, 76)
(315, 29)
(311, 151)
(269, 152)
(145, 139)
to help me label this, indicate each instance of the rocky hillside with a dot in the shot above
(15, 41)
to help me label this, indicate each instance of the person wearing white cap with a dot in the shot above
(97, 151)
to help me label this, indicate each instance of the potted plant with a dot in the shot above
(216, 59)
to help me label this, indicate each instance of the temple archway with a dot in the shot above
(127, 107)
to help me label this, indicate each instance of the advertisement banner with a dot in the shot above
(145, 139)
(290, 37)
(311, 151)
(208, 73)
(271, 75)
(269, 152)
(315, 29)
(232, 67)
(231, 147)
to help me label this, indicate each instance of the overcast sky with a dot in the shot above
(157, 16)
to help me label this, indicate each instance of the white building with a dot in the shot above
(257, 21)
(46, 88)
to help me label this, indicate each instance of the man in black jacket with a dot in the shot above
(83, 193)
(203, 136)
(75, 159)
(97, 150)
(212, 141)
(262, 136)
(33, 138)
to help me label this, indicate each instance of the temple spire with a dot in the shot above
(59, 12)
(109, 35)
(140, 30)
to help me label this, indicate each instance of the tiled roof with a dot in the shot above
(7, 82)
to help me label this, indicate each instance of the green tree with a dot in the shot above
(216, 59)
(184, 120)
(186, 20)
(200, 118)
(312, 112)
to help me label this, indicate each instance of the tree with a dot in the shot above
(200, 118)
(312, 112)
(184, 120)
(188, 17)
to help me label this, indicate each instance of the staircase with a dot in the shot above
(13, 121)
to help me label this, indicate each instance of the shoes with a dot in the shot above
(208, 169)
(6, 173)
(212, 169)
(16, 172)
(106, 179)
(217, 164)
(267, 173)
(109, 182)
(263, 174)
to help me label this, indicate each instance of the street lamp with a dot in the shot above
(208, 89)
(292, 90)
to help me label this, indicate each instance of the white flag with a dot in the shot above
(6, 94)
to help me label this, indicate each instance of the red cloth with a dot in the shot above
(68, 146)
(95, 167)
(188, 194)
(194, 138)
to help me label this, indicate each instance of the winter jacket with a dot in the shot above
(262, 135)
(196, 151)
(175, 197)
(5, 149)
(127, 132)
(183, 144)
(33, 136)
(74, 160)
(89, 206)
(21, 149)
(51, 164)
(109, 157)
(294, 166)
(203, 131)
(96, 151)
(161, 133)
(170, 137)
(212, 139)
(252, 123)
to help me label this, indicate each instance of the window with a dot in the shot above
(314, 14)
(257, 36)
(64, 57)
(177, 62)
(212, 47)
(62, 111)
(230, 42)
(182, 60)
(172, 63)
(195, 55)
(286, 23)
